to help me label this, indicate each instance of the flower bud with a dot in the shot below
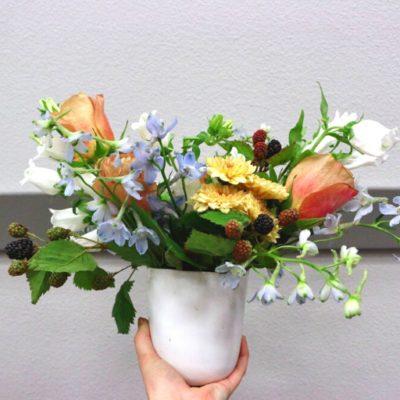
(349, 257)
(352, 307)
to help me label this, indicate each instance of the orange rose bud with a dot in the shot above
(321, 186)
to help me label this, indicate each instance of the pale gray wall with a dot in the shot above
(66, 347)
(254, 61)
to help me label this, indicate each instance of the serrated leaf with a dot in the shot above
(204, 243)
(219, 218)
(243, 148)
(39, 283)
(84, 279)
(295, 133)
(131, 255)
(284, 156)
(63, 256)
(123, 311)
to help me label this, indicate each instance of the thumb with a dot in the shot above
(143, 344)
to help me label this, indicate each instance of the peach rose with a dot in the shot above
(108, 170)
(321, 186)
(87, 114)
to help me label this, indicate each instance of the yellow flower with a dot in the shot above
(217, 197)
(232, 170)
(273, 236)
(264, 189)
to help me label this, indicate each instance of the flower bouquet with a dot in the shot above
(199, 225)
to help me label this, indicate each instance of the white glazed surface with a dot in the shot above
(195, 323)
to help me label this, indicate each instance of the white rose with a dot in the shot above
(357, 160)
(91, 236)
(144, 133)
(373, 139)
(57, 151)
(42, 178)
(68, 220)
(192, 186)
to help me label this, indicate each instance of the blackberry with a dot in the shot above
(20, 249)
(289, 216)
(102, 282)
(263, 224)
(17, 230)
(18, 267)
(58, 233)
(259, 136)
(242, 251)
(234, 229)
(57, 279)
(260, 150)
(274, 147)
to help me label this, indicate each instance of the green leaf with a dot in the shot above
(272, 174)
(295, 133)
(302, 224)
(84, 279)
(131, 255)
(284, 156)
(203, 243)
(288, 202)
(243, 148)
(219, 218)
(193, 220)
(63, 256)
(39, 283)
(196, 150)
(263, 175)
(123, 311)
(324, 105)
(301, 157)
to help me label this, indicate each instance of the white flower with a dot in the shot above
(373, 139)
(331, 225)
(349, 257)
(58, 151)
(113, 230)
(103, 210)
(352, 307)
(358, 160)
(306, 246)
(266, 128)
(362, 203)
(327, 289)
(192, 186)
(68, 220)
(43, 178)
(240, 133)
(76, 142)
(235, 154)
(140, 126)
(89, 179)
(267, 294)
(327, 141)
(301, 293)
(90, 237)
(232, 274)
(390, 209)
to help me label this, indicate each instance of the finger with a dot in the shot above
(143, 344)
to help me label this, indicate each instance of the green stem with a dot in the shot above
(341, 233)
(382, 230)
(36, 237)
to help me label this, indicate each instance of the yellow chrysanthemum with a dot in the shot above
(217, 197)
(264, 189)
(232, 170)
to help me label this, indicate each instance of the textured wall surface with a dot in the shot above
(254, 61)
(66, 347)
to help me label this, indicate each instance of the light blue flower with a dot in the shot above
(232, 274)
(390, 209)
(301, 293)
(113, 230)
(103, 210)
(144, 161)
(163, 209)
(331, 225)
(334, 288)
(67, 179)
(44, 127)
(140, 238)
(156, 127)
(131, 186)
(122, 146)
(240, 133)
(267, 294)
(76, 142)
(189, 167)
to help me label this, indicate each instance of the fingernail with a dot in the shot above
(140, 322)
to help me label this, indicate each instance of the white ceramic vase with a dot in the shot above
(195, 323)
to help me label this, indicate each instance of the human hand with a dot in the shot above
(163, 382)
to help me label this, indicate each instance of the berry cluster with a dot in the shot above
(242, 251)
(262, 151)
(234, 229)
(263, 224)
(289, 216)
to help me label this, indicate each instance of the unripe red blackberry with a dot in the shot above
(260, 150)
(18, 267)
(58, 233)
(234, 229)
(263, 224)
(242, 251)
(259, 136)
(20, 249)
(57, 279)
(17, 230)
(289, 216)
(274, 147)
(102, 282)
